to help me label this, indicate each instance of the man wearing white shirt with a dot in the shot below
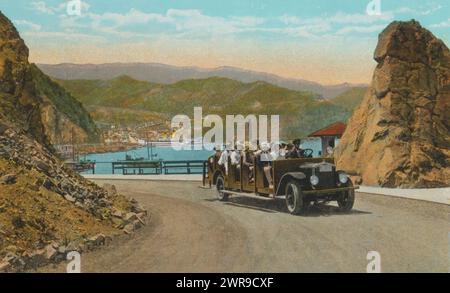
(223, 161)
(235, 158)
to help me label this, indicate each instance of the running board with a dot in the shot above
(252, 195)
(318, 191)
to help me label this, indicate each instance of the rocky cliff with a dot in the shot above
(32, 101)
(18, 99)
(64, 118)
(46, 209)
(399, 135)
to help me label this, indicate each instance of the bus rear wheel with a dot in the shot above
(220, 187)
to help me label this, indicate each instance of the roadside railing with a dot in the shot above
(180, 167)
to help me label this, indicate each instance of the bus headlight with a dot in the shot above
(343, 178)
(314, 180)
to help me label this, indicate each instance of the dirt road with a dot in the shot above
(190, 231)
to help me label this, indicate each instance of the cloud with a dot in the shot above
(194, 23)
(337, 18)
(358, 18)
(336, 24)
(289, 19)
(184, 21)
(430, 9)
(134, 16)
(67, 36)
(28, 24)
(360, 29)
(443, 24)
(42, 7)
(247, 20)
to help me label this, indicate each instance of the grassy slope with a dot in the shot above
(105, 92)
(124, 116)
(351, 98)
(300, 113)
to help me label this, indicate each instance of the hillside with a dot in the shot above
(46, 209)
(300, 112)
(168, 74)
(105, 92)
(124, 116)
(351, 98)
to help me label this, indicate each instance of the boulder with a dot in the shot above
(36, 258)
(62, 250)
(15, 262)
(141, 218)
(48, 184)
(399, 135)
(70, 198)
(42, 166)
(129, 217)
(74, 246)
(3, 128)
(5, 266)
(50, 252)
(118, 222)
(116, 213)
(98, 240)
(8, 179)
(137, 208)
(110, 189)
(129, 228)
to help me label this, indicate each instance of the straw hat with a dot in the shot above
(265, 146)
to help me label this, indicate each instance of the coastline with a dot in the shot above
(106, 148)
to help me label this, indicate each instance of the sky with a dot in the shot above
(325, 41)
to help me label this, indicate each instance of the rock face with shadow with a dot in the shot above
(399, 135)
(35, 103)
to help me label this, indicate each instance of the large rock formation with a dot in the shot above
(399, 135)
(18, 99)
(32, 101)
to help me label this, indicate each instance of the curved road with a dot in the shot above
(190, 231)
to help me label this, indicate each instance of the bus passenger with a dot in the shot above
(291, 152)
(248, 159)
(223, 161)
(266, 161)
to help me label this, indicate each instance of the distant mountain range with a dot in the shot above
(168, 74)
(124, 100)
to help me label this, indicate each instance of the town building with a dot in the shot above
(329, 135)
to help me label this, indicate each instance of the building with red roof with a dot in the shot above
(330, 135)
